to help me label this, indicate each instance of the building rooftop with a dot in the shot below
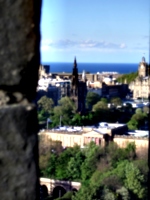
(139, 133)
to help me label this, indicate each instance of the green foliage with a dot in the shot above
(112, 182)
(142, 165)
(47, 145)
(46, 104)
(65, 165)
(132, 124)
(116, 101)
(138, 117)
(104, 100)
(65, 110)
(119, 169)
(62, 162)
(87, 192)
(45, 108)
(137, 120)
(51, 167)
(74, 166)
(127, 77)
(138, 110)
(116, 154)
(108, 194)
(42, 115)
(43, 163)
(99, 106)
(105, 173)
(91, 99)
(77, 120)
(66, 196)
(123, 193)
(90, 162)
(135, 181)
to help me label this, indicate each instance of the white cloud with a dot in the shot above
(45, 45)
(65, 44)
(123, 45)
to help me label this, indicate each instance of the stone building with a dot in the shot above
(141, 143)
(57, 88)
(101, 136)
(44, 71)
(82, 136)
(141, 85)
(114, 90)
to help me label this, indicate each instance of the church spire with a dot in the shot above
(75, 62)
(75, 78)
(75, 70)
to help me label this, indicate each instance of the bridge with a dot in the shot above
(58, 187)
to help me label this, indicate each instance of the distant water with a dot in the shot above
(121, 68)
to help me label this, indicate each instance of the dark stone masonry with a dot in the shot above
(19, 63)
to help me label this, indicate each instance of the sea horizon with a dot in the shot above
(67, 67)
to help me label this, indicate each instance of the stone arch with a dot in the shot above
(58, 191)
(43, 191)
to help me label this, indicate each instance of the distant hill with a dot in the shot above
(128, 78)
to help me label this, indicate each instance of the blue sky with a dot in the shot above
(101, 31)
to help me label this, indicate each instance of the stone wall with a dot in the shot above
(19, 63)
(141, 143)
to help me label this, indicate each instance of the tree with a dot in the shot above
(47, 145)
(45, 104)
(90, 162)
(67, 196)
(116, 101)
(77, 120)
(45, 108)
(50, 170)
(108, 194)
(117, 154)
(91, 99)
(138, 110)
(139, 117)
(65, 161)
(99, 106)
(135, 182)
(124, 193)
(74, 166)
(63, 112)
(104, 100)
(61, 167)
(132, 124)
(128, 77)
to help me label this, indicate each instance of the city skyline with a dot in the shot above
(95, 31)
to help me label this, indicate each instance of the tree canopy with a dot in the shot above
(91, 99)
(127, 77)
(45, 108)
(105, 172)
(116, 101)
(45, 104)
(99, 106)
(63, 112)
